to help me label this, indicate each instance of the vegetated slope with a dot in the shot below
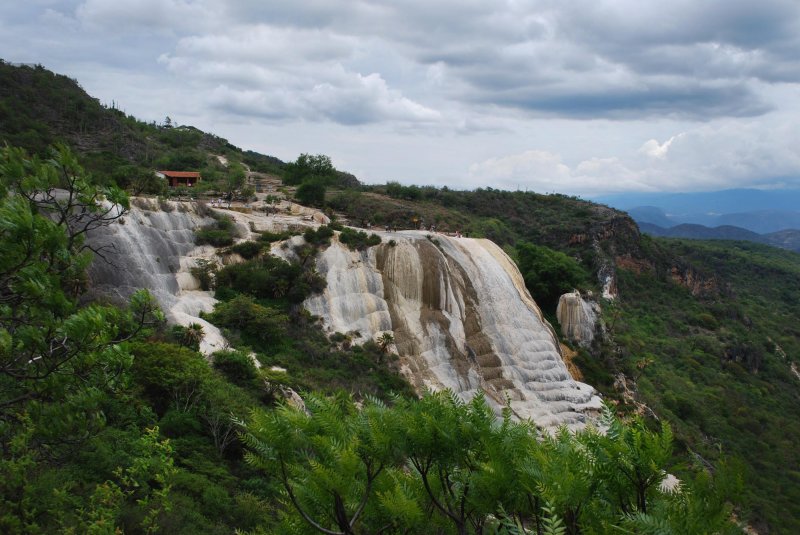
(692, 324)
(39, 108)
(705, 332)
(590, 232)
(785, 239)
(718, 364)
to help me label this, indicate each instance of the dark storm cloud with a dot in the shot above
(694, 103)
(683, 58)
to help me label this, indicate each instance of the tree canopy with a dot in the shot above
(439, 465)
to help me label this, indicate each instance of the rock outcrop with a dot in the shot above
(461, 318)
(457, 308)
(152, 247)
(578, 318)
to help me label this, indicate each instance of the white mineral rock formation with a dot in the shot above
(153, 248)
(458, 309)
(578, 318)
(461, 318)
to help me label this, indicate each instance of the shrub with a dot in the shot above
(205, 271)
(549, 273)
(237, 366)
(319, 237)
(244, 314)
(248, 249)
(270, 237)
(358, 239)
(271, 278)
(219, 234)
(311, 193)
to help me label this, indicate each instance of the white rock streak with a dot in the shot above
(461, 318)
(457, 307)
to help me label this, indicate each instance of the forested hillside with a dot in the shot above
(704, 333)
(123, 423)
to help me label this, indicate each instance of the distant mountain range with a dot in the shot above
(771, 217)
(785, 239)
(760, 211)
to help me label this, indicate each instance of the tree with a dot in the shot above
(64, 365)
(440, 465)
(307, 167)
(334, 462)
(234, 179)
(385, 340)
(311, 193)
(45, 336)
(549, 274)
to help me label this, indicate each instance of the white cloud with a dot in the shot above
(532, 167)
(347, 98)
(701, 159)
(655, 149)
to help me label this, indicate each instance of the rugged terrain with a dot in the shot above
(702, 335)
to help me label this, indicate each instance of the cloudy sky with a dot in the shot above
(580, 97)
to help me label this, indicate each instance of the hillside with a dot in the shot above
(702, 335)
(699, 329)
(39, 108)
(757, 210)
(784, 239)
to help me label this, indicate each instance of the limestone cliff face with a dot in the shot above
(578, 318)
(461, 319)
(153, 248)
(457, 308)
(696, 282)
(613, 235)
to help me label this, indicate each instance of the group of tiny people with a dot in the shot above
(431, 228)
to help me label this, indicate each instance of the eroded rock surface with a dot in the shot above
(461, 319)
(577, 317)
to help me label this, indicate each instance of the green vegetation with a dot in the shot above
(260, 311)
(248, 249)
(311, 193)
(309, 168)
(220, 233)
(715, 363)
(717, 366)
(549, 274)
(39, 108)
(438, 465)
(269, 277)
(109, 419)
(357, 240)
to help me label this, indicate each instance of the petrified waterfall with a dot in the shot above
(154, 249)
(461, 319)
(457, 307)
(578, 318)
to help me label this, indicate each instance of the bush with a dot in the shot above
(221, 233)
(269, 277)
(248, 249)
(205, 271)
(358, 239)
(319, 237)
(256, 321)
(237, 366)
(270, 237)
(311, 193)
(210, 236)
(549, 273)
